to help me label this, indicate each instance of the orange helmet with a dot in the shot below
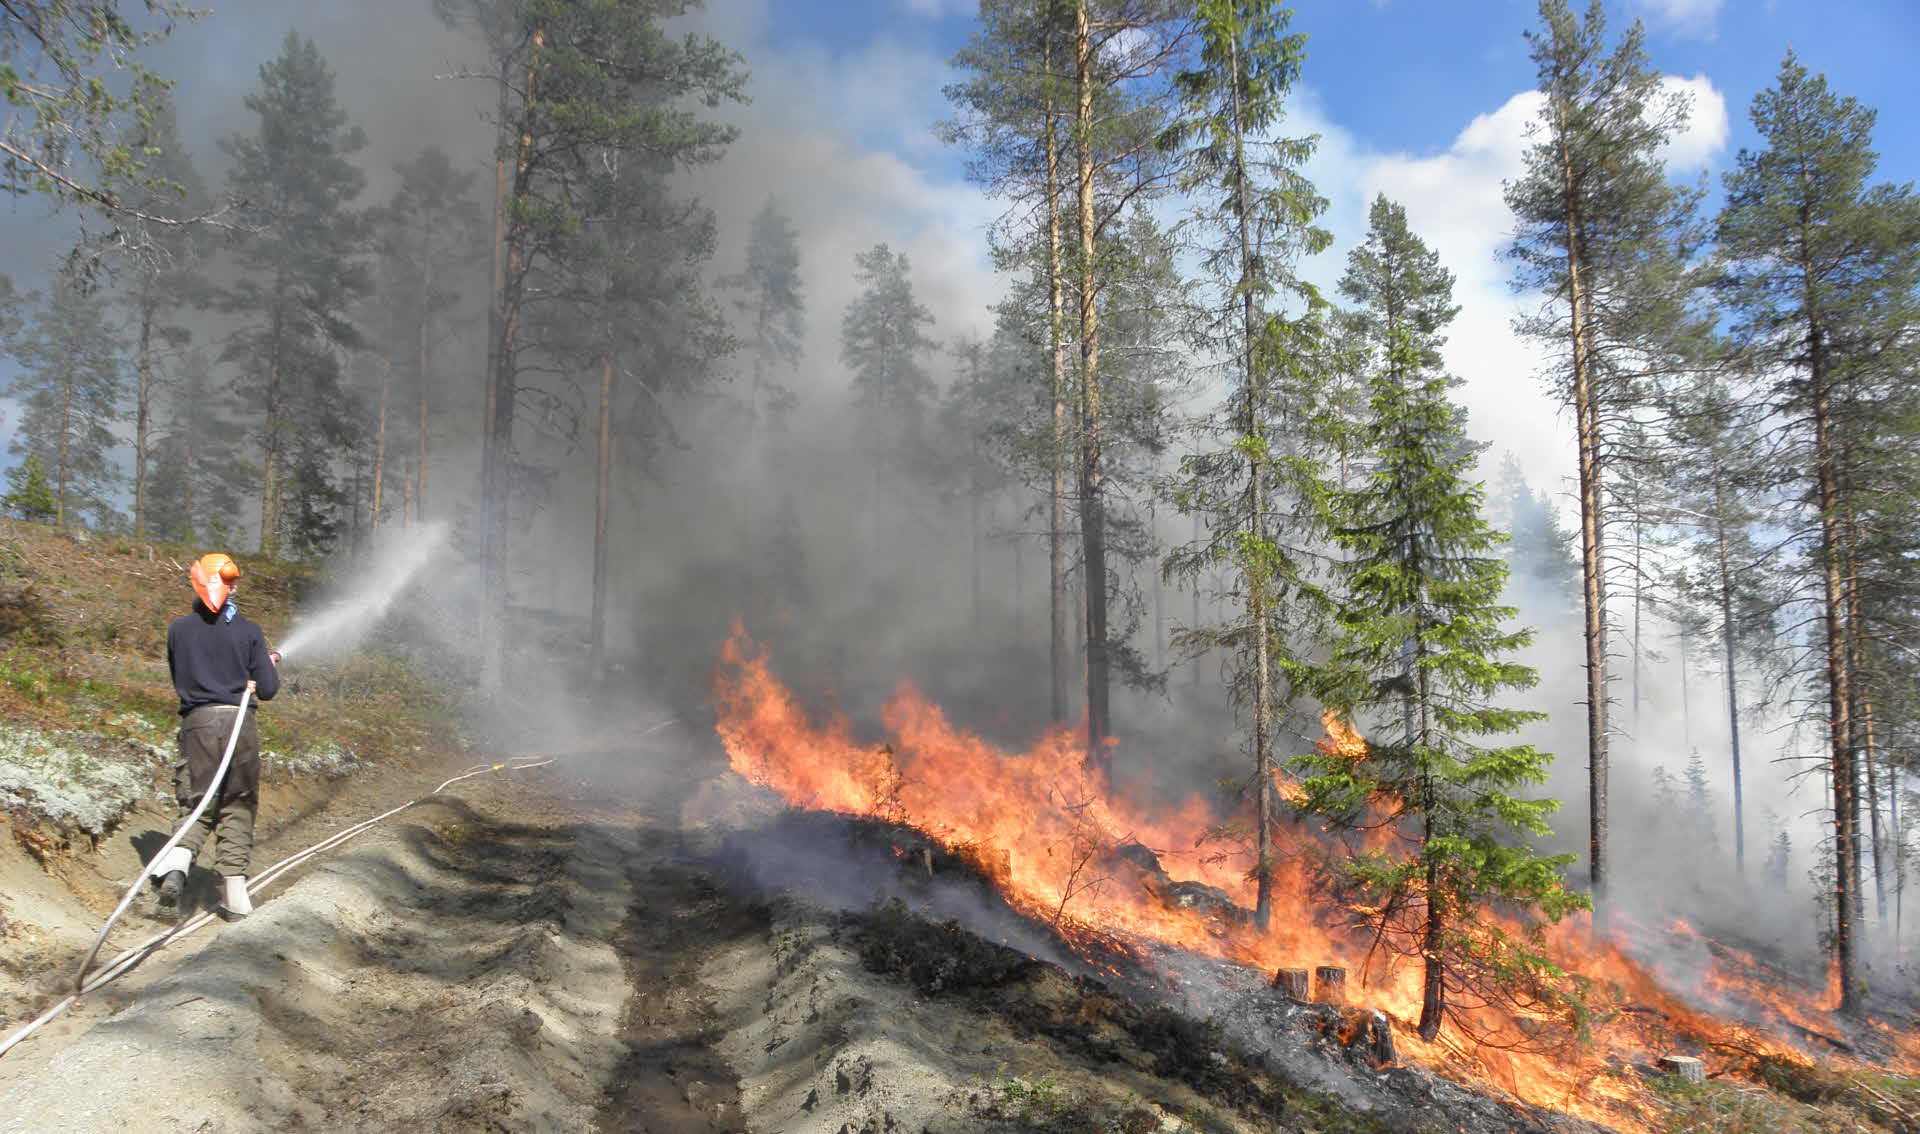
(214, 575)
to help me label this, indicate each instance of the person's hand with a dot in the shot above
(252, 686)
(273, 656)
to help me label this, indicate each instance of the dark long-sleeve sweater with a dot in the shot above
(212, 658)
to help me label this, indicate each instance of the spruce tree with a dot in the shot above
(71, 383)
(297, 271)
(1539, 547)
(1422, 641)
(29, 496)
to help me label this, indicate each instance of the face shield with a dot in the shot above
(213, 577)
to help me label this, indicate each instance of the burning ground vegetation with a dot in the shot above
(1642, 1028)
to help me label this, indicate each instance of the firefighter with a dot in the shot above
(215, 656)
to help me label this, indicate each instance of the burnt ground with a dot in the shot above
(606, 946)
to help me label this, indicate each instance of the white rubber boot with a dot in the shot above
(176, 859)
(170, 870)
(234, 902)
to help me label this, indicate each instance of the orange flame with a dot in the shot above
(1043, 820)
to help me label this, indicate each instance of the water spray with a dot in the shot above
(343, 622)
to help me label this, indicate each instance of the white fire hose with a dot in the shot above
(160, 856)
(121, 964)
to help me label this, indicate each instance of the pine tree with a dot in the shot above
(1256, 212)
(769, 301)
(772, 303)
(1597, 225)
(29, 496)
(71, 383)
(1119, 53)
(81, 94)
(297, 272)
(577, 80)
(1820, 278)
(1421, 637)
(1724, 589)
(1013, 105)
(165, 261)
(883, 341)
(427, 248)
(200, 482)
(633, 279)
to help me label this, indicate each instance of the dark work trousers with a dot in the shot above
(203, 740)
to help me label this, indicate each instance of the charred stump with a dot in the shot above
(1332, 983)
(1380, 1038)
(1293, 983)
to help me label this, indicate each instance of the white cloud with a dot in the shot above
(1455, 202)
(939, 9)
(1707, 125)
(1699, 18)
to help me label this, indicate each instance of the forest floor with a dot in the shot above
(623, 940)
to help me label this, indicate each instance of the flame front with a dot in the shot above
(1043, 821)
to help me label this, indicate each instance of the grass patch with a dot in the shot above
(85, 692)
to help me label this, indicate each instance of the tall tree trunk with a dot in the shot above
(66, 433)
(1256, 572)
(1873, 811)
(142, 414)
(973, 525)
(1159, 591)
(1433, 993)
(1198, 531)
(1593, 562)
(497, 492)
(1727, 640)
(274, 438)
(1093, 526)
(380, 445)
(602, 506)
(423, 376)
(1056, 343)
(1639, 606)
(1839, 677)
(1686, 695)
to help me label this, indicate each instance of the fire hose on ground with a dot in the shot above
(86, 979)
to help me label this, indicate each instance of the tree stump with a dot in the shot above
(1332, 981)
(1380, 1038)
(1293, 983)
(1684, 1067)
